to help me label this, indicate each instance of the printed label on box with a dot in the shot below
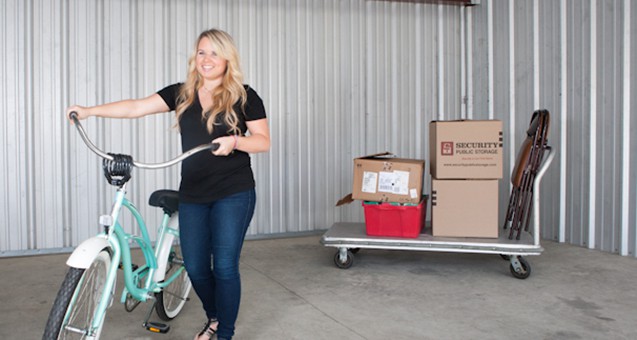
(396, 182)
(413, 193)
(369, 182)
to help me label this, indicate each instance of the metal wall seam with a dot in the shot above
(536, 55)
(470, 93)
(418, 86)
(625, 166)
(65, 154)
(463, 64)
(592, 179)
(394, 75)
(490, 59)
(29, 160)
(441, 64)
(512, 83)
(563, 147)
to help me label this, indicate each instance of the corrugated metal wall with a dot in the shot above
(340, 79)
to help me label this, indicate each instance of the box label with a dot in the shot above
(396, 182)
(369, 182)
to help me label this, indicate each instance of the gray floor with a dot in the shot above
(292, 290)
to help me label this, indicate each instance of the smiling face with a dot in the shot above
(210, 65)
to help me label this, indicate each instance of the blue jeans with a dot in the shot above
(216, 229)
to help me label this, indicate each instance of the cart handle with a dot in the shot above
(536, 193)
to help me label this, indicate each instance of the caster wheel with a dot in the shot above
(344, 263)
(520, 268)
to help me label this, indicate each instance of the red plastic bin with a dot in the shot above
(393, 219)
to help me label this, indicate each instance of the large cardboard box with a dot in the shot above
(381, 178)
(465, 149)
(464, 208)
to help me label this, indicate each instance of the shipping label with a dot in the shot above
(396, 182)
(370, 179)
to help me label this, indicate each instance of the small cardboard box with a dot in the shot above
(464, 208)
(465, 149)
(381, 178)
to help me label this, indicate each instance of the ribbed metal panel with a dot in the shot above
(340, 79)
(570, 58)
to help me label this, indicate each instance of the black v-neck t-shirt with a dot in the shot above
(204, 176)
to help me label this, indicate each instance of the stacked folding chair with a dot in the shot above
(528, 161)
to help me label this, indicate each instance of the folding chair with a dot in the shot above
(526, 166)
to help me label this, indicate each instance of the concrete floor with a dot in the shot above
(293, 290)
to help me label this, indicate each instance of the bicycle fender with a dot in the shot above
(86, 252)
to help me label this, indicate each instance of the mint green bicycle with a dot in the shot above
(88, 289)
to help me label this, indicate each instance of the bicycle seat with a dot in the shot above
(165, 199)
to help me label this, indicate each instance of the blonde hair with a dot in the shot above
(224, 96)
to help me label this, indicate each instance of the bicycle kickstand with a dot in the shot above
(152, 326)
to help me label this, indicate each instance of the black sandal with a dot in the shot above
(207, 330)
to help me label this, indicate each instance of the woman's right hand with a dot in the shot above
(81, 111)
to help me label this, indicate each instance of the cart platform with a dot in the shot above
(349, 238)
(354, 236)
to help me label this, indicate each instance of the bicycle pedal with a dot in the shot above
(157, 327)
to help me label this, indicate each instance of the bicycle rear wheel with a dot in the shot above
(80, 294)
(172, 298)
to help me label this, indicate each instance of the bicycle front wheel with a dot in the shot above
(172, 298)
(74, 308)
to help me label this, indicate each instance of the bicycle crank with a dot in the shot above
(155, 327)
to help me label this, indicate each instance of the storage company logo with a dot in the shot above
(446, 148)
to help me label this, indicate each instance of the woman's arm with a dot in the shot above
(130, 108)
(258, 139)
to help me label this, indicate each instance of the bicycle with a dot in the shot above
(88, 289)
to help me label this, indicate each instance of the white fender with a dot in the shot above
(164, 249)
(86, 252)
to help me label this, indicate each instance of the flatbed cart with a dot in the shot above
(348, 238)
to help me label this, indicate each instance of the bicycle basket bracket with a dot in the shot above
(118, 170)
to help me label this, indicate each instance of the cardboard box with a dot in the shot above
(394, 219)
(465, 149)
(464, 208)
(381, 178)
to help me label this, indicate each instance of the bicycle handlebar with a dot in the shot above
(96, 150)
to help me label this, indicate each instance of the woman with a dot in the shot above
(217, 195)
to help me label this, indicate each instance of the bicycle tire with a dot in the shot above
(77, 300)
(171, 300)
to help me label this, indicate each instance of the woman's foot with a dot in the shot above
(208, 330)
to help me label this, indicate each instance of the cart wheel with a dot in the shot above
(354, 250)
(520, 268)
(346, 262)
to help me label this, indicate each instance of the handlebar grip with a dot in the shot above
(215, 146)
(73, 116)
